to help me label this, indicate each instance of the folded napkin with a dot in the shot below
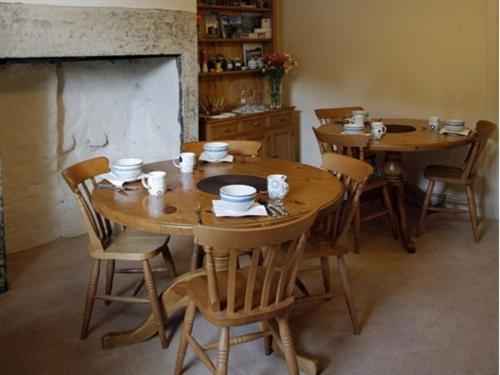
(221, 210)
(223, 116)
(465, 132)
(227, 159)
(117, 181)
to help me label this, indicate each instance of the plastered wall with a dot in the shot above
(398, 58)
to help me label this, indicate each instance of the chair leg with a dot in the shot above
(223, 353)
(325, 270)
(89, 301)
(154, 301)
(357, 229)
(425, 206)
(169, 261)
(346, 286)
(288, 347)
(268, 340)
(471, 198)
(186, 330)
(390, 211)
(110, 274)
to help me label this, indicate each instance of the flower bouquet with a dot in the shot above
(275, 66)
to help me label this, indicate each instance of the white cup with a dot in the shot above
(378, 129)
(434, 123)
(277, 186)
(185, 162)
(358, 119)
(155, 182)
(365, 114)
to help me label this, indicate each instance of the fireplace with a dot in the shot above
(80, 82)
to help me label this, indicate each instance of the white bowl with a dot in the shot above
(364, 113)
(127, 168)
(216, 150)
(455, 123)
(238, 197)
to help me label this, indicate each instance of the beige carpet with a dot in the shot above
(435, 312)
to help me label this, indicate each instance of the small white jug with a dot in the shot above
(277, 186)
(155, 182)
(378, 129)
(185, 162)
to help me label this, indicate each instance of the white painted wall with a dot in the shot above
(185, 5)
(55, 117)
(398, 58)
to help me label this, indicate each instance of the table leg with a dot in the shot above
(394, 171)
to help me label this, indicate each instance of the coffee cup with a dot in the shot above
(185, 162)
(378, 129)
(434, 123)
(358, 119)
(155, 182)
(277, 186)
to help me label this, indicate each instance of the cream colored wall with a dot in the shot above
(398, 58)
(186, 5)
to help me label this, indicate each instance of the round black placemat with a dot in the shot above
(213, 184)
(396, 128)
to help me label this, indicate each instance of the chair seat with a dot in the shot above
(446, 174)
(131, 245)
(196, 288)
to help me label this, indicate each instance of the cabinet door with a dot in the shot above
(264, 138)
(283, 143)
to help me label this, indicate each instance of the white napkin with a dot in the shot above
(465, 132)
(117, 181)
(223, 115)
(221, 210)
(227, 159)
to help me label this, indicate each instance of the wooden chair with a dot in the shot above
(354, 145)
(331, 115)
(236, 147)
(231, 296)
(110, 243)
(465, 176)
(330, 238)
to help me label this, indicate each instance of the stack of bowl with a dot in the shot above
(215, 151)
(238, 197)
(127, 169)
(454, 126)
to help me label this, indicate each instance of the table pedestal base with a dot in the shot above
(394, 171)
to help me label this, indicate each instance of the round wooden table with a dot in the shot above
(421, 139)
(183, 206)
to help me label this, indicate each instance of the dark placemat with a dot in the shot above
(213, 184)
(396, 128)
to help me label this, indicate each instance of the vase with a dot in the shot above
(275, 90)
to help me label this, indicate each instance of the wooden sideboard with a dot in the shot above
(278, 130)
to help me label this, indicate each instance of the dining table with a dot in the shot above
(185, 205)
(404, 136)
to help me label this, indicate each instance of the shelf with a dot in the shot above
(234, 8)
(230, 73)
(233, 40)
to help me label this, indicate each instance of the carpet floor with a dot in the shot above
(434, 312)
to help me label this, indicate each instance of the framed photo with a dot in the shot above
(255, 50)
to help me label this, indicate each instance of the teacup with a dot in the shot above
(378, 129)
(277, 186)
(186, 162)
(216, 150)
(155, 182)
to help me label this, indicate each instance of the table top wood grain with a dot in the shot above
(310, 189)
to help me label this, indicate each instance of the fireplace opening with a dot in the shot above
(57, 112)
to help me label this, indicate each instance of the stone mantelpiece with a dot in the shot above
(41, 32)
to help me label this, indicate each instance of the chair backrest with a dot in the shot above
(269, 285)
(81, 180)
(236, 147)
(346, 144)
(329, 115)
(484, 130)
(353, 173)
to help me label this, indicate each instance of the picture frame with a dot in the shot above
(255, 50)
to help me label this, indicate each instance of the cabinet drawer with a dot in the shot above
(281, 120)
(255, 124)
(224, 130)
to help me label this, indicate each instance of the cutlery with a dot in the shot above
(280, 208)
(113, 187)
(266, 205)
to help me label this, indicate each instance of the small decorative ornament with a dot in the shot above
(275, 66)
